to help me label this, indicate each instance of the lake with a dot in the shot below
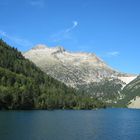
(102, 124)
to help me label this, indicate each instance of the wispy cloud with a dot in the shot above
(75, 24)
(37, 3)
(114, 53)
(16, 40)
(64, 34)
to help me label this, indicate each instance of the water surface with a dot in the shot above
(103, 124)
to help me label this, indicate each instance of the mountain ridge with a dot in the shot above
(92, 83)
(77, 60)
(24, 86)
(85, 72)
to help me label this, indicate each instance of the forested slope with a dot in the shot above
(25, 86)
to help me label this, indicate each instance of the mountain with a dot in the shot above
(24, 86)
(83, 71)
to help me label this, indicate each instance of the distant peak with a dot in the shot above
(39, 47)
(60, 49)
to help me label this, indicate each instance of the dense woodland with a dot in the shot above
(106, 90)
(25, 86)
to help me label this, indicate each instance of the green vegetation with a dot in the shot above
(25, 86)
(106, 90)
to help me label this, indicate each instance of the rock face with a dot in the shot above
(80, 70)
(134, 103)
(131, 93)
(72, 68)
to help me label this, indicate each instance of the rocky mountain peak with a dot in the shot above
(73, 68)
(59, 49)
(39, 47)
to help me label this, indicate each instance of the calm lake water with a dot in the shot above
(103, 124)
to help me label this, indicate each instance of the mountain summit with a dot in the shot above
(71, 68)
(38, 47)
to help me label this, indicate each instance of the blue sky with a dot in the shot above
(109, 28)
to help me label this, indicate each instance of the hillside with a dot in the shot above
(71, 68)
(83, 71)
(25, 86)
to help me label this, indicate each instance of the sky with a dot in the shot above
(108, 28)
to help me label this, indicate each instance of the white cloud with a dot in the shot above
(114, 53)
(16, 40)
(64, 34)
(37, 3)
(75, 24)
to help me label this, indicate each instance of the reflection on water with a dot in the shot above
(103, 124)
